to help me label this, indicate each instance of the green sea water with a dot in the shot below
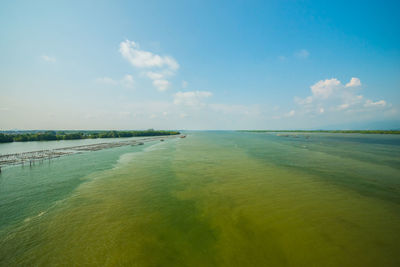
(211, 199)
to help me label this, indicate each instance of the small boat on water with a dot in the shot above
(162, 140)
(183, 136)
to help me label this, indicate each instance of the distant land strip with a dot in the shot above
(326, 131)
(40, 155)
(24, 136)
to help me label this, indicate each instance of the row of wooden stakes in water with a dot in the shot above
(40, 155)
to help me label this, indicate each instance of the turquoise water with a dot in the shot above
(211, 199)
(20, 147)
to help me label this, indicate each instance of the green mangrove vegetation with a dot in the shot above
(24, 136)
(326, 131)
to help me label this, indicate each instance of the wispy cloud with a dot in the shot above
(159, 67)
(161, 85)
(127, 81)
(192, 98)
(48, 58)
(290, 113)
(370, 103)
(155, 75)
(302, 54)
(145, 59)
(282, 58)
(106, 80)
(159, 79)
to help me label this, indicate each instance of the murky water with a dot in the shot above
(211, 199)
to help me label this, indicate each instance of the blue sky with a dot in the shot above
(199, 64)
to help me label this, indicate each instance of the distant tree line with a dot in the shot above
(72, 135)
(326, 131)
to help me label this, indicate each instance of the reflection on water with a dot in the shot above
(211, 199)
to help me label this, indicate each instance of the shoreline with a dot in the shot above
(31, 157)
(326, 131)
(26, 136)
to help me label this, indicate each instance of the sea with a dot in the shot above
(214, 198)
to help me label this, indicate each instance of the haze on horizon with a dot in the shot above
(199, 65)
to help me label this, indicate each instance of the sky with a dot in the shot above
(199, 65)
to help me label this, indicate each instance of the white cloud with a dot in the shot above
(154, 75)
(161, 85)
(303, 101)
(343, 106)
(331, 95)
(354, 82)
(290, 113)
(331, 88)
(325, 88)
(126, 81)
(49, 59)
(302, 54)
(160, 67)
(106, 80)
(285, 115)
(370, 103)
(159, 80)
(145, 59)
(192, 98)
